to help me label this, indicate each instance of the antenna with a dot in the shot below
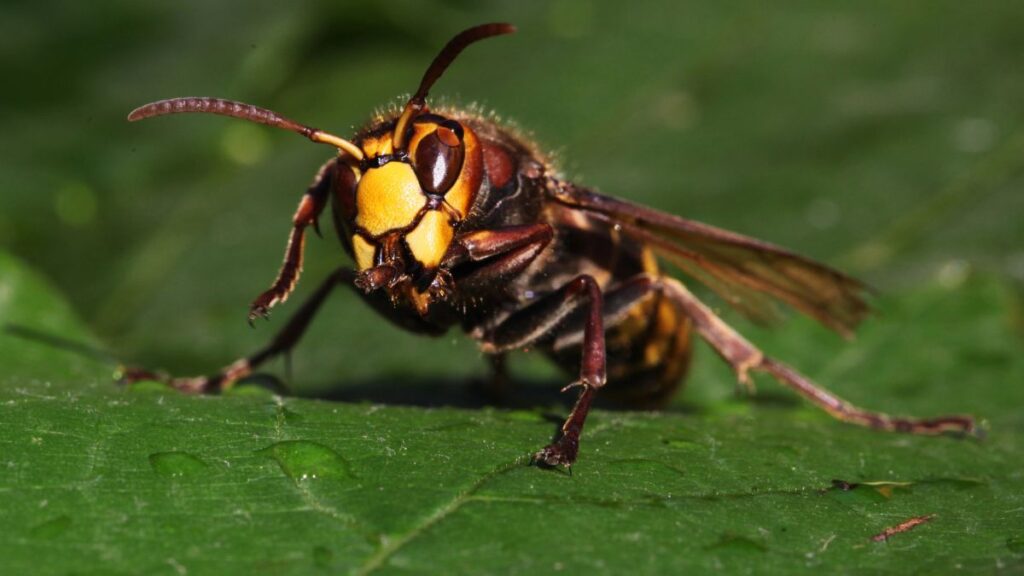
(245, 112)
(451, 50)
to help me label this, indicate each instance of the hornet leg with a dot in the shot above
(307, 214)
(744, 357)
(539, 320)
(283, 342)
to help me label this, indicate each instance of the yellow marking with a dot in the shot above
(421, 300)
(649, 261)
(338, 142)
(388, 197)
(633, 325)
(420, 130)
(429, 240)
(666, 323)
(677, 359)
(461, 195)
(377, 146)
(410, 110)
(364, 252)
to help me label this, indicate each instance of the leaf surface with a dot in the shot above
(101, 480)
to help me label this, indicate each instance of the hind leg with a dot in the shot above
(745, 357)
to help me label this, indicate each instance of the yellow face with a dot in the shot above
(416, 196)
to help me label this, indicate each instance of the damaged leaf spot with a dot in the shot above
(884, 488)
(902, 527)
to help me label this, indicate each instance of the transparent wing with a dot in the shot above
(747, 273)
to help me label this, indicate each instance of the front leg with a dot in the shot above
(540, 320)
(492, 257)
(307, 214)
(283, 342)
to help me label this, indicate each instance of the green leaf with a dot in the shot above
(99, 480)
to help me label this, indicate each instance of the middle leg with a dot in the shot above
(537, 321)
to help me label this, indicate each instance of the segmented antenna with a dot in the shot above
(441, 62)
(245, 112)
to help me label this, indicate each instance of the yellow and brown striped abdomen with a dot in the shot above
(648, 351)
(648, 338)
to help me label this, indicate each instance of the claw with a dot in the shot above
(571, 385)
(129, 375)
(562, 452)
(746, 388)
(259, 309)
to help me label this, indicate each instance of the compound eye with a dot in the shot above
(439, 157)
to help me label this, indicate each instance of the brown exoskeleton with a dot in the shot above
(455, 220)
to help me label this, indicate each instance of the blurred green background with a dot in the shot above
(883, 139)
